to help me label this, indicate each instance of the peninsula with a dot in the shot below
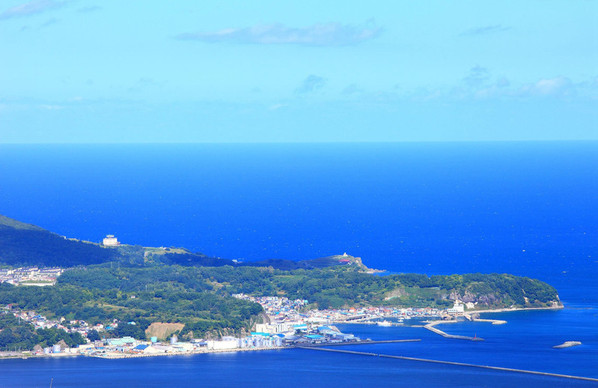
(118, 291)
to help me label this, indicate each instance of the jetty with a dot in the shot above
(492, 321)
(431, 326)
(462, 364)
(475, 318)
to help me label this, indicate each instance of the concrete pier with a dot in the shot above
(430, 326)
(497, 368)
(492, 321)
(474, 318)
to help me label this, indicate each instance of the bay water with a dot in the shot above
(528, 208)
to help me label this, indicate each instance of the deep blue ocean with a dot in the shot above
(527, 208)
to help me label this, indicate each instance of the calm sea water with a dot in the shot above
(525, 208)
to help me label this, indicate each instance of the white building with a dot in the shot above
(274, 328)
(224, 344)
(458, 308)
(110, 241)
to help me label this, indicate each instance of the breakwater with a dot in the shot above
(462, 364)
(492, 321)
(361, 342)
(430, 326)
(475, 318)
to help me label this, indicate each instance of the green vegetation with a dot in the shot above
(24, 244)
(200, 297)
(9, 223)
(345, 286)
(142, 296)
(18, 335)
(138, 286)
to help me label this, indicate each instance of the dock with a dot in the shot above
(462, 364)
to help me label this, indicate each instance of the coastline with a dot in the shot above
(429, 325)
(511, 309)
(120, 355)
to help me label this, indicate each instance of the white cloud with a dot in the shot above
(549, 87)
(321, 34)
(277, 106)
(31, 8)
(51, 107)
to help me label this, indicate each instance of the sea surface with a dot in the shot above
(526, 208)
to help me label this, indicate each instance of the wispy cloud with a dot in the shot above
(352, 89)
(311, 84)
(50, 22)
(477, 76)
(51, 107)
(144, 83)
(277, 106)
(557, 86)
(322, 34)
(484, 30)
(31, 8)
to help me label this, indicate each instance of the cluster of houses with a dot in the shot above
(286, 315)
(30, 276)
(280, 309)
(41, 322)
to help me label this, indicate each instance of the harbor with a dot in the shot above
(431, 326)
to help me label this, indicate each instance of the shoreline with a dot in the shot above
(512, 309)
(466, 313)
(119, 355)
(429, 325)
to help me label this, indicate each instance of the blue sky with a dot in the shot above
(311, 71)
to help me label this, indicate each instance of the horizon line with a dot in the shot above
(307, 142)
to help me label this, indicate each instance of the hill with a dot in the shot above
(321, 262)
(173, 285)
(24, 244)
